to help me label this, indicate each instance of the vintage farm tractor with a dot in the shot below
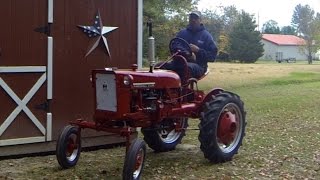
(160, 102)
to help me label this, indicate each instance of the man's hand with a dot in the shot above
(193, 58)
(194, 48)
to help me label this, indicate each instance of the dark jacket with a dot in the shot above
(203, 39)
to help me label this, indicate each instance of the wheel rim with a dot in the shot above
(72, 147)
(139, 163)
(168, 133)
(229, 127)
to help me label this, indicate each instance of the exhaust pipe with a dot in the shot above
(151, 48)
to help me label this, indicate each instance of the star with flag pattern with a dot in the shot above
(97, 32)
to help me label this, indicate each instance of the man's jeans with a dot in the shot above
(195, 70)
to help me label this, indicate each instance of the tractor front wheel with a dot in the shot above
(68, 147)
(134, 161)
(222, 127)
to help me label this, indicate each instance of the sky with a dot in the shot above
(279, 10)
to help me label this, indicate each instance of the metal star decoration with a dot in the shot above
(97, 32)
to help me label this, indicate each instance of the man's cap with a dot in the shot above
(196, 13)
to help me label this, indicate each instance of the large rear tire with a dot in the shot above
(134, 160)
(165, 137)
(68, 147)
(222, 127)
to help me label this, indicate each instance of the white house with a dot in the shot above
(317, 55)
(281, 47)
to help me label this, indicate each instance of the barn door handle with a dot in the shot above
(44, 29)
(44, 106)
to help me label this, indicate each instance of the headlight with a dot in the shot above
(127, 80)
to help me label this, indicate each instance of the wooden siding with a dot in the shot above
(72, 90)
(21, 46)
(270, 50)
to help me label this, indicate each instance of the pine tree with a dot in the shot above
(245, 41)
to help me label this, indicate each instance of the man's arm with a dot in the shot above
(209, 52)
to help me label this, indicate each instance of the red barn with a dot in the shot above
(47, 51)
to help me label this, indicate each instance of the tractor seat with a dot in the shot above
(193, 81)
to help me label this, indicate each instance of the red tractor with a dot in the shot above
(160, 102)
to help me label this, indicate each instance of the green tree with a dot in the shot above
(213, 23)
(168, 18)
(229, 17)
(316, 28)
(271, 27)
(307, 25)
(288, 30)
(163, 8)
(226, 23)
(223, 47)
(245, 41)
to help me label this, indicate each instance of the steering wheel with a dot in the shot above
(181, 51)
(181, 46)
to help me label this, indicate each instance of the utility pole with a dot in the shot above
(258, 21)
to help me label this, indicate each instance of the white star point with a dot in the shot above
(106, 30)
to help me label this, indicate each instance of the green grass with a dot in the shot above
(275, 62)
(283, 127)
(282, 134)
(296, 78)
(281, 142)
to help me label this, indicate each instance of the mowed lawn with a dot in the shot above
(282, 139)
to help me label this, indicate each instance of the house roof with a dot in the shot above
(284, 40)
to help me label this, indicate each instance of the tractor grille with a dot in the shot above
(106, 93)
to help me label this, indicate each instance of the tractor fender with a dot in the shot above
(212, 93)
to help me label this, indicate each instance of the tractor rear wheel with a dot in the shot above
(167, 136)
(222, 127)
(68, 147)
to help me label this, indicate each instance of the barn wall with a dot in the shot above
(72, 92)
(22, 48)
(270, 50)
(22, 67)
(293, 52)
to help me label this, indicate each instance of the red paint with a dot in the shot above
(139, 103)
(227, 127)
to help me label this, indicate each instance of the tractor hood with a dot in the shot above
(144, 79)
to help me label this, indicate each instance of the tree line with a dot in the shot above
(235, 32)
